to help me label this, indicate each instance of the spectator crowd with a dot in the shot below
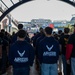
(50, 51)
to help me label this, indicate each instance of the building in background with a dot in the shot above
(35, 24)
(40, 22)
(8, 23)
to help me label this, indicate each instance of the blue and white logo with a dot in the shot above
(21, 59)
(21, 54)
(49, 52)
(49, 48)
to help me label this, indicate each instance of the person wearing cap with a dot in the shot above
(70, 52)
(48, 53)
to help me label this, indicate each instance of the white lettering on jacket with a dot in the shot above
(49, 52)
(21, 59)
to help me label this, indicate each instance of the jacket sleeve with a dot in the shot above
(10, 56)
(58, 50)
(40, 53)
(69, 48)
(31, 55)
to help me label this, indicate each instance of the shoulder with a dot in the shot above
(56, 41)
(4, 41)
(72, 35)
(43, 40)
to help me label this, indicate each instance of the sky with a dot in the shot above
(43, 9)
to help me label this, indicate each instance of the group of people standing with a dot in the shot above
(44, 49)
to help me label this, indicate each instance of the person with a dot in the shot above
(36, 50)
(60, 32)
(38, 34)
(6, 35)
(21, 55)
(5, 48)
(63, 42)
(48, 53)
(0, 54)
(70, 52)
(14, 37)
(32, 38)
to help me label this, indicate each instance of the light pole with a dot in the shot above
(10, 23)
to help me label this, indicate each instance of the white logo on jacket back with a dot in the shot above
(21, 59)
(49, 48)
(49, 52)
(21, 54)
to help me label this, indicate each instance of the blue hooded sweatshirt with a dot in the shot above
(48, 50)
(21, 54)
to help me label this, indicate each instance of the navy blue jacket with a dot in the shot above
(48, 50)
(37, 43)
(35, 38)
(72, 42)
(21, 54)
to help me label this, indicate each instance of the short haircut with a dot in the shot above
(60, 32)
(48, 30)
(20, 26)
(2, 30)
(41, 29)
(66, 30)
(21, 34)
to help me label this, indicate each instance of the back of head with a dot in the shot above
(66, 30)
(21, 34)
(60, 32)
(48, 30)
(20, 26)
(2, 30)
(41, 29)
